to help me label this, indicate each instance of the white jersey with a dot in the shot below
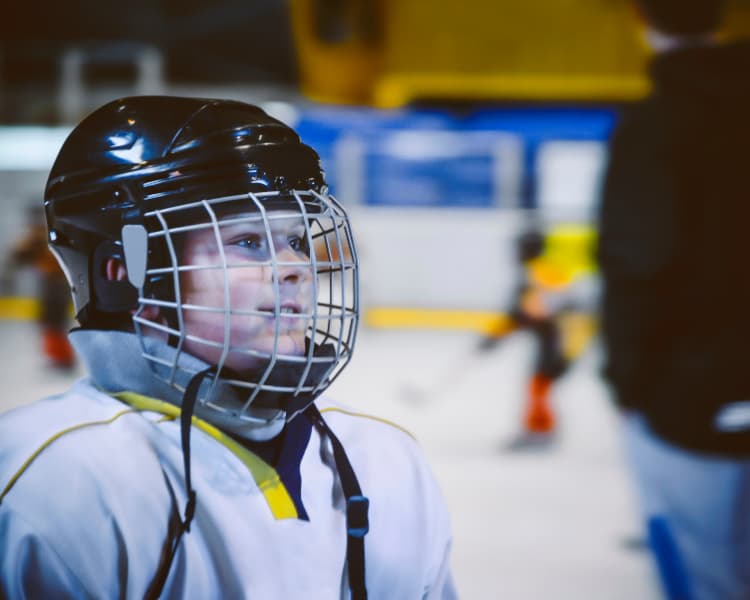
(85, 483)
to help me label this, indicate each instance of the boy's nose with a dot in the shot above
(290, 276)
(294, 270)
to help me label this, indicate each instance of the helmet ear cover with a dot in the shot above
(111, 296)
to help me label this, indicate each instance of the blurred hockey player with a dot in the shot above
(52, 291)
(216, 284)
(535, 308)
(553, 301)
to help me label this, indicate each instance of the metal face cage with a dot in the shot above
(261, 286)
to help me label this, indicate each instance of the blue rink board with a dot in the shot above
(436, 158)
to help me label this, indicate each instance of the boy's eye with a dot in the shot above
(298, 244)
(251, 242)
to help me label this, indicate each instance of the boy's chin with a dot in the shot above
(287, 346)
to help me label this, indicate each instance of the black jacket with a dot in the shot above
(675, 248)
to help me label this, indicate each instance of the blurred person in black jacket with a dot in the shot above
(676, 298)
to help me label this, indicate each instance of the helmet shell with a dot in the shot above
(143, 153)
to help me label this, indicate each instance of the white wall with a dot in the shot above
(444, 258)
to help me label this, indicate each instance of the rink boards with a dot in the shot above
(437, 198)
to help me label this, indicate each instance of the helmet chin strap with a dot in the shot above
(178, 526)
(357, 505)
(282, 374)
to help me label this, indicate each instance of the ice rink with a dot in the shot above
(558, 522)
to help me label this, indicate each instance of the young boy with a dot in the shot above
(215, 282)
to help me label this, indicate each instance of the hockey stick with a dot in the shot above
(454, 373)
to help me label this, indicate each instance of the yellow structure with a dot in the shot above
(389, 53)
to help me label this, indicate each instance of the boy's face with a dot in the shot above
(247, 286)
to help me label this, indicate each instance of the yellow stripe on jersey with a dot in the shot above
(366, 416)
(265, 476)
(57, 436)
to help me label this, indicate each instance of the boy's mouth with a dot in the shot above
(289, 318)
(286, 308)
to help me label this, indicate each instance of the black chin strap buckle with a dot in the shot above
(357, 522)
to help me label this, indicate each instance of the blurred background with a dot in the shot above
(449, 131)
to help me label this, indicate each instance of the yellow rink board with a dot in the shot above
(19, 308)
(485, 322)
(15, 308)
(577, 328)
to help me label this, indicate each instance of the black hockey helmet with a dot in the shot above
(139, 176)
(141, 154)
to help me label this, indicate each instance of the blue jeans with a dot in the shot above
(697, 513)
